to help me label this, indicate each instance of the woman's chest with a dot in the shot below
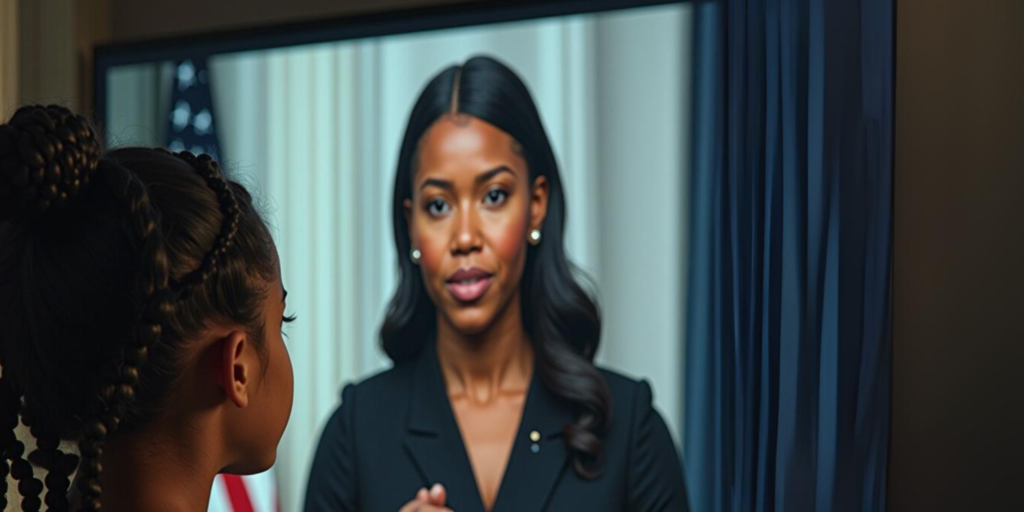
(534, 482)
(488, 432)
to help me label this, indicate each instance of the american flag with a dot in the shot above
(191, 127)
(190, 121)
(255, 493)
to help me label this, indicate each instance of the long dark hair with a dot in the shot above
(109, 264)
(561, 319)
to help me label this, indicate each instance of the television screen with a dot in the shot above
(316, 128)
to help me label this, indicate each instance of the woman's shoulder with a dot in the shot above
(626, 390)
(638, 438)
(632, 403)
(371, 403)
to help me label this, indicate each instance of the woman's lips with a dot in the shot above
(469, 285)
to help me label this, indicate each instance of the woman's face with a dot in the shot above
(472, 207)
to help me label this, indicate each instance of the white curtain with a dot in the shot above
(317, 130)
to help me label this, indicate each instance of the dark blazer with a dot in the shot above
(395, 433)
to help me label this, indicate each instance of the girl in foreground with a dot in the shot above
(141, 309)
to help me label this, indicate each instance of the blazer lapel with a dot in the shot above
(433, 440)
(539, 456)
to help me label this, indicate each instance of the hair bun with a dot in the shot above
(47, 154)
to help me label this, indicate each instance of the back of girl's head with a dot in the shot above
(110, 263)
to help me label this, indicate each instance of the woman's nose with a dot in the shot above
(466, 238)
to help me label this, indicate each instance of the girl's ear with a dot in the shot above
(237, 366)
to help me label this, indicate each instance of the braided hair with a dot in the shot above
(109, 264)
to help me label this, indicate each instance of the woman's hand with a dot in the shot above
(428, 501)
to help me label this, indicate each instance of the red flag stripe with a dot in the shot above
(238, 494)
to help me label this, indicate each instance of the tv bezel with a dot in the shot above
(351, 27)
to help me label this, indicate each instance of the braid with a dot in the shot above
(9, 405)
(154, 292)
(155, 289)
(210, 170)
(48, 155)
(29, 486)
(59, 466)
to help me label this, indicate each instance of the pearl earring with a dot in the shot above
(534, 237)
(416, 255)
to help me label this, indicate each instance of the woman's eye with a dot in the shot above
(495, 197)
(437, 207)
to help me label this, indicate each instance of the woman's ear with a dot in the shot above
(407, 208)
(236, 367)
(538, 202)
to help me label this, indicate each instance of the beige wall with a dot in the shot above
(9, 57)
(52, 60)
(958, 351)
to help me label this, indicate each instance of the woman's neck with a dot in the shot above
(485, 365)
(165, 470)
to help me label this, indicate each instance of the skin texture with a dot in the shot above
(474, 205)
(227, 414)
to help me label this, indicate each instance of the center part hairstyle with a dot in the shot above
(110, 264)
(559, 316)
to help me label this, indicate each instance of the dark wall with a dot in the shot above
(135, 19)
(958, 351)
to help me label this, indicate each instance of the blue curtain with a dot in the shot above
(788, 337)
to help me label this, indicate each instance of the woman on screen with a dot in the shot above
(494, 403)
(140, 318)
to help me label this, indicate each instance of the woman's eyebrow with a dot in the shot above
(447, 185)
(493, 172)
(434, 182)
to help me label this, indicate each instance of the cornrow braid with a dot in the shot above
(155, 287)
(158, 299)
(211, 172)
